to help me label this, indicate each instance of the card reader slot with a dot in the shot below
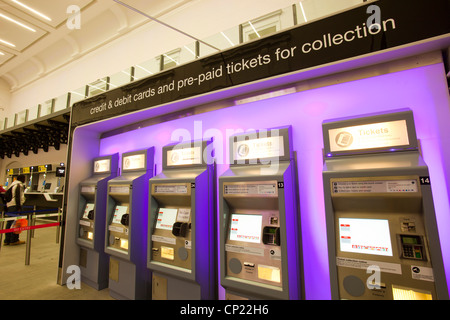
(271, 236)
(125, 220)
(180, 229)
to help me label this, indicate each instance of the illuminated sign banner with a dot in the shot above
(184, 156)
(369, 136)
(338, 37)
(134, 162)
(259, 148)
(102, 166)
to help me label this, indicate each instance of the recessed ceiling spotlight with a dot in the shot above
(32, 10)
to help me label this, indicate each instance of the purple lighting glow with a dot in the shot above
(423, 90)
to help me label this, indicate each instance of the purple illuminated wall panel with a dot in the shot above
(423, 90)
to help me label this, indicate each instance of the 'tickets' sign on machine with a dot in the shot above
(369, 136)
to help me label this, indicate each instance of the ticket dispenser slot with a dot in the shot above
(260, 242)
(92, 220)
(383, 240)
(180, 229)
(126, 227)
(181, 249)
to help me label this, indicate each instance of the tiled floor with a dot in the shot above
(38, 280)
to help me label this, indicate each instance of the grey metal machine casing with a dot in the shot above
(126, 231)
(94, 262)
(263, 188)
(386, 185)
(181, 252)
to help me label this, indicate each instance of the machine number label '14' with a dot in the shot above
(424, 180)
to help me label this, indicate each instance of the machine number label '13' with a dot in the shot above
(280, 185)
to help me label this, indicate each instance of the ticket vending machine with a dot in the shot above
(182, 224)
(260, 251)
(94, 262)
(383, 239)
(126, 227)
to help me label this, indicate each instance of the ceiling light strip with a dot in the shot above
(303, 11)
(193, 53)
(170, 58)
(17, 22)
(165, 24)
(254, 29)
(32, 10)
(7, 43)
(128, 74)
(229, 40)
(140, 67)
(74, 92)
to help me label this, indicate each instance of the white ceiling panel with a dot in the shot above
(96, 31)
(38, 41)
(56, 10)
(17, 32)
(55, 55)
(5, 56)
(35, 33)
(26, 71)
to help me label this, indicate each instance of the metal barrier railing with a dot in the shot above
(30, 216)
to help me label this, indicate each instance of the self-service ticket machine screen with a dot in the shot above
(259, 218)
(182, 242)
(92, 220)
(382, 235)
(126, 226)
